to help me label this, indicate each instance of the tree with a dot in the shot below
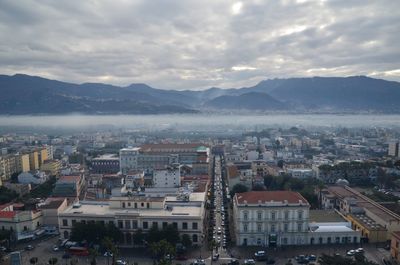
(111, 247)
(53, 261)
(238, 188)
(258, 187)
(7, 195)
(93, 254)
(138, 237)
(186, 240)
(33, 260)
(95, 232)
(161, 248)
(153, 235)
(171, 234)
(339, 260)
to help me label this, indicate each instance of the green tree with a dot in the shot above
(53, 261)
(138, 237)
(153, 235)
(109, 244)
(171, 234)
(186, 240)
(238, 188)
(33, 260)
(161, 248)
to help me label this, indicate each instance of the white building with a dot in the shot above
(32, 177)
(128, 159)
(167, 178)
(301, 173)
(270, 218)
(139, 212)
(393, 149)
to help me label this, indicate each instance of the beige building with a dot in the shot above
(51, 209)
(42, 156)
(132, 213)
(25, 165)
(51, 166)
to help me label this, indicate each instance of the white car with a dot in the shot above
(351, 252)
(249, 262)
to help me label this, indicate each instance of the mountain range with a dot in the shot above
(24, 94)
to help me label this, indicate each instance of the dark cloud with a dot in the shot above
(196, 44)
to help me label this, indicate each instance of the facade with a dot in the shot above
(270, 218)
(151, 156)
(25, 165)
(132, 213)
(393, 149)
(51, 166)
(68, 186)
(22, 223)
(301, 173)
(34, 160)
(51, 209)
(395, 246)
(105, 164)
(167, 178)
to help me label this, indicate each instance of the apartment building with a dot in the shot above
(169, 177)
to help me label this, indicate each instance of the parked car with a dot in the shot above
(351, 253)
(359, 250)
(215, 257)
(233, 262)
(29, 247)
(260, 255)
(121, 262)
(249, 262)
(311, 258)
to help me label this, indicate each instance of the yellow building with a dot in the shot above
(371, 231)
(34, 160)
(24, 163)
(43, 156)
(52, 166)
(9, 165)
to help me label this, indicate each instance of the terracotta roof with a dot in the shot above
(7, 214)
(253, 197)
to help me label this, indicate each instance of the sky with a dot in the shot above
(199, 44)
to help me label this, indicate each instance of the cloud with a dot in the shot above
(198, 44)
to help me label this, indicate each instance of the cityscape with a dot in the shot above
(194, 132)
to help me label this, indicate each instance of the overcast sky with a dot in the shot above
(198, 44)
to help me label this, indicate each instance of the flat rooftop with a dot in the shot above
(104, 210)
(325, 216)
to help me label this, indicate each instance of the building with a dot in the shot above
(9, 165)
(51, 209)
(129, 214)
(34, 160)
(270, 218)
(23, 223)
(301, 173)
(169, 177)
(25, 165)
(395, 246)
(151, 156)
(365, 215)
(53, 167)
(43, 155)
(393, 149)
(68, 186)
(32, 177)
(105, 164)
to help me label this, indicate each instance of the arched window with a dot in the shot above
(194, 238)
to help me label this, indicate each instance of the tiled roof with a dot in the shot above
(253, 197)
(7, 214)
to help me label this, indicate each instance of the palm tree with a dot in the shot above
(53, 261)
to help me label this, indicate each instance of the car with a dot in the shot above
(169, 257)
(260, 255)
(359, 250)
(199, 262)
(233, 262)
(351, 253)
(56, 248)
(249, 262)
(121, 262)
(215, 257)
(311, 258)
(2, 248)
(29, 247)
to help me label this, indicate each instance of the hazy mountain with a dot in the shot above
(247, 101)
(23, 94)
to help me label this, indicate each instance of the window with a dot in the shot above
(300, 213)
(120, 224)
(194, 238)
(259, 215)
(175, 225)
(123, 205)
(134, 224)
(299, 227)
(194, 226)
(142, 204)
(155, 224)
(73, 222)
(273, 216)
(145, 225)
(127, 224)
(272, 228)
(164, 224)
(135, 205)
(329, 240)
(65, 222)
(285, 241)
(245, 215)
(259, 227)
(184, 226)
(244, 227)
(148, 205)
(129, 204)
(286, 227)
(286, 215)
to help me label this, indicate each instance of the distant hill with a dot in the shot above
(247, 101)
(24, 94)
